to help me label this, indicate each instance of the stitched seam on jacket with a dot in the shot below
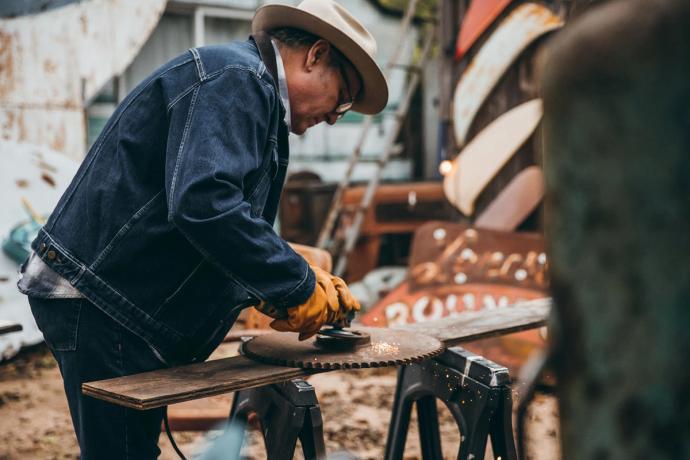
(182, 95)
(231, 275)
(199, 63)
(255, 186)
(127, 225)
(180, 151)
(199, 248)
(218, 72)
(179, 288)
(167, 329)
(105, 135)
(64, 252)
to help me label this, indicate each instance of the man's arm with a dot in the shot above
(227, 121)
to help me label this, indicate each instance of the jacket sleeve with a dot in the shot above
(226, 123)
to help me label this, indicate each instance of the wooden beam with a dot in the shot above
(184, 383)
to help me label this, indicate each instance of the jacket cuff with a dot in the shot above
(299, 293)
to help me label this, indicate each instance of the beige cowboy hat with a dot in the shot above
(330, 21)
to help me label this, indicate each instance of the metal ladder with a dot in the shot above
(353, 231)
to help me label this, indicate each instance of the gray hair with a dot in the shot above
(298, 38)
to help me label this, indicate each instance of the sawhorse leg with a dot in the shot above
(477, 394)
(288, 411)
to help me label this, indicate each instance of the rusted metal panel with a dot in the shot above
(61, 130)
(57, 61)
(521, 28)
(479, 17)
(487, 153)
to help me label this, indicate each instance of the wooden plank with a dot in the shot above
(184, 383)
(486, 323)
(7, 326)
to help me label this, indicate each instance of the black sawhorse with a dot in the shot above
(475, 390)
(288, 411)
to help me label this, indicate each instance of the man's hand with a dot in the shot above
(330, 303)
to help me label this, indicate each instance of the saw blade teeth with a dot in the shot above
(390, 348)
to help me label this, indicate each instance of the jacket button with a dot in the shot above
(42, 247)
(51, 255)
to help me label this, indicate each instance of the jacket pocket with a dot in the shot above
(58, 320)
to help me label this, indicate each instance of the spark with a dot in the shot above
(382, 348)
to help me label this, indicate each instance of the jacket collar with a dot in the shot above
(268, 55)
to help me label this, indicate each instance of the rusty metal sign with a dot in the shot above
(454, 268)
(479, 17)
(487, 153)
(521, 28)
(405, 306)
(53, 63)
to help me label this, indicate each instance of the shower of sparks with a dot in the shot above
(382, 348)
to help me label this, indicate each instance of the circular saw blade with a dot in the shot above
(388, 347)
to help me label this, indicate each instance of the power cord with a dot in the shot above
(169, 433)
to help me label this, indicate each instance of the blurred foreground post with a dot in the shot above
(617, 157)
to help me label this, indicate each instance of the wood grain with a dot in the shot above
(184, 383)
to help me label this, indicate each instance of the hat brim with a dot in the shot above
(373, 97)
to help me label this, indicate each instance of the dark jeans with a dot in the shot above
(88, 345)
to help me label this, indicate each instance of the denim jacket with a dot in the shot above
(167, 225)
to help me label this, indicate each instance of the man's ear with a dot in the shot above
(317, 53)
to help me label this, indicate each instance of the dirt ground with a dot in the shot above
(355, 405)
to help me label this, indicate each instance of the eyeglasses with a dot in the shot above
(344, 106)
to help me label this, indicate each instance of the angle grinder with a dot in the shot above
(337, 337)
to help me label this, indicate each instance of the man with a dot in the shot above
(165, 233)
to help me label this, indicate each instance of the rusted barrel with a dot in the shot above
(617, 155)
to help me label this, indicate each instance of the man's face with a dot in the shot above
(317, 89)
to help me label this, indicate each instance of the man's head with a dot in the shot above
(322, 83)
(329, 61)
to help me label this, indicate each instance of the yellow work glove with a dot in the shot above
(330, 302)
(346, 300)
